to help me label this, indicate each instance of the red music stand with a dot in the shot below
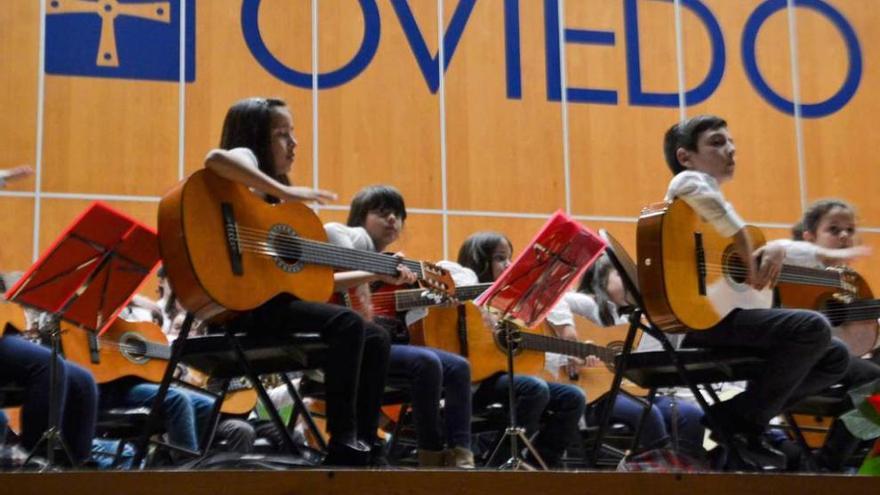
(87, 277)
(527, 290)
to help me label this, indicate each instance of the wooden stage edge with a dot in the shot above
(388, 482)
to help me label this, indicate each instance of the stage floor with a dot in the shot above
(391, 482)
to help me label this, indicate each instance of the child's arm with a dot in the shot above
(240, 165)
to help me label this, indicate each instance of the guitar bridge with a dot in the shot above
(701, 263)
(232, 245)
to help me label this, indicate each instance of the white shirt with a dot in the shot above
(702, 192)
(349, 237)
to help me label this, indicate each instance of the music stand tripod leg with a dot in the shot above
(52, 436)
(513, 433)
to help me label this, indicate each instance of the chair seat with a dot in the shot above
(212, 354)
(655, 369)
(124, 422)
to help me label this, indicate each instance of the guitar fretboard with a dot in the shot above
(415, 298)
(556, 345)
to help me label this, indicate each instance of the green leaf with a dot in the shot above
(861, 427)
(871, 466)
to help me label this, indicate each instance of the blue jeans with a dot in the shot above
(27, 364)
(535, 397)
(658, 424)
(185, 412)
(427, 372)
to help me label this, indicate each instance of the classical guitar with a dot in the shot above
(137, 349)
(125, 349)
(852, 313)
(691, 276)
(595, 381)
(462, 330)
(226, 250)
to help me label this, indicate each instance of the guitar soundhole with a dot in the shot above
(286, 248)
(734, 269)
(133, 348)
(501, 337)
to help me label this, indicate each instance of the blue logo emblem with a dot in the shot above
(128, 39)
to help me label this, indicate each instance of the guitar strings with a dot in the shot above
(322, 248)
(298, 249)
(832, 281)
(313, 257)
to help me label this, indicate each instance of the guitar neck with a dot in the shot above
(341, 258)
(538, 342)
(811, 276)
(867, 309)
(415, 298)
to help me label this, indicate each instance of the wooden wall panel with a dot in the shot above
(421, 238)
(108, 135)
(765, 188)
(616, 150)
(19, 42)
(839, 148)
(519, 230)
(503, 154)
(17, 232)
(227, 71)
(384, 125)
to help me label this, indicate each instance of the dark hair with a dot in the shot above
(476, 253)
(248, 124)
(814, 213)
(595, 283)
(372, 198)
(685, 135)
(797, 231)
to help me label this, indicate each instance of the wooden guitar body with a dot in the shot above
(125, 349)
(212, 275)
(469, 336)
(859, 334)
(679, 295)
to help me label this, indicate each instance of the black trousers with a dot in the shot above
(356, 364)
(801, 357)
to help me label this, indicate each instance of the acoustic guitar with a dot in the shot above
(461, 330)
(853, 314)
(691, 276)
(596, 381)
(226, 250)
(138, 349)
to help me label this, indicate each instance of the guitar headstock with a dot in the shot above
(437, 280)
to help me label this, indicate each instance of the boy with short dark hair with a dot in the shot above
(801, 357)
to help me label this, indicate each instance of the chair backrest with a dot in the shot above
(624, 265)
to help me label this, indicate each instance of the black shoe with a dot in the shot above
(754, 453)
(379, 456)
(345, 455)
(730, 421)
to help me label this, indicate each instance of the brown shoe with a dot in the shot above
(460, 457)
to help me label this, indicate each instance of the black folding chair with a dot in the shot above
(225, 354)
(670, 367)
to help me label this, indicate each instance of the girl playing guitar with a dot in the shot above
(257, 149)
